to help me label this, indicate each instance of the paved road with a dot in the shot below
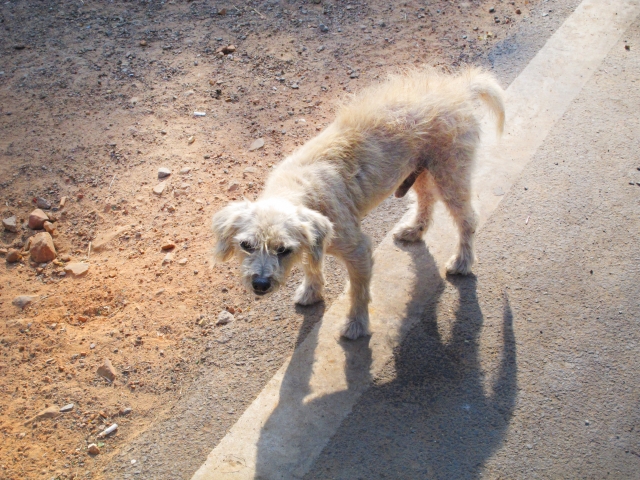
(529, 368)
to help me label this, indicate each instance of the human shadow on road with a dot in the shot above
(434, 419)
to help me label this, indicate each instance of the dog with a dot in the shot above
(416, 130)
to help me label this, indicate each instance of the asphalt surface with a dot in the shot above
(527, 369)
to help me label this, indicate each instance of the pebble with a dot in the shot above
(227, 50)
(168, 245)
(63, 202)
(143, 43)
(67, 408)
(42, 249)
(23, 300)
(185, 170)
(77, 269)
(50, 412)
(257, 144)
(168, 258)
(323, 28)
(224, 317)
(43, 203)
(158, 189)
(233, 187)
(163, 172)
(250, 170)
(13, 255)
(125, 411)
(10, 224)
(107, 371)
(182, 261)
(49, 227)
(295, 86)
(492, 10)
(37, 219)
(93, 449)
(191, 139)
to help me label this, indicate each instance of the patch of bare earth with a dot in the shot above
(95, 97)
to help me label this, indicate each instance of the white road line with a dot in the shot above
(284, 430)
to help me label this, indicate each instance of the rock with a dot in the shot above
(158, 189)
(185, 170)
(168, 245)
(191, 139)
(93, 449)
(107, 371)
(43, 203)
(102, 239)
(77, 269)
(50, 412)
(67, 408)
(63, 202)
(257, 144)
(492, 10)
(13, 255)
(23, 300)
(49, 227)
(227, 50)
(224, 317)
(125, 411)
(10, 224)
(37, 219)
(143, 43)
(182, 261)
(250, 170)
(42, 249)
(323, 28)
(163, 172)
(233, 187)
(168, 258)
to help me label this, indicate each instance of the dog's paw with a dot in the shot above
(459, 265)
(355, 328)
(409, 233)
(307, 295)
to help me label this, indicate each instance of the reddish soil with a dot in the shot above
(94, 98)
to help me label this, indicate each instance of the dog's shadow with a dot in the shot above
(433, 420)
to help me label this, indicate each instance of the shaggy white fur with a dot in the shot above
(415, 130)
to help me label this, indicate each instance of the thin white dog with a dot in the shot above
(416, 130)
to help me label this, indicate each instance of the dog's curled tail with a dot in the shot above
(484, 86)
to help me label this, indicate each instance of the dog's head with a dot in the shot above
(269, 237)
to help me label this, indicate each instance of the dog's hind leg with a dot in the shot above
(359, 262)
(455, 190)
(427, 194)
(311, 289)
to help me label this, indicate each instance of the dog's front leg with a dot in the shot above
(359, 262)
(311, 289)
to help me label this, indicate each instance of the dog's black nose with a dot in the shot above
(261, 284)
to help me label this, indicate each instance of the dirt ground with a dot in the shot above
(94, 99)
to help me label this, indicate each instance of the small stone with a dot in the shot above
(42, 249)
(168, 258)
(10, 224)
(92, 346)
(518, 11)
(295, 86)
(63, 202)
(627, 47)
(163, 172)
(49, 227)
(67, 408)
(23, 300)
(191, 139)
(250, 170)
(182, 261)
(37, 219)
(168, 245)
(43, 203)
(125, 411)
(233, 187)
(143, 43)
(107, 371)
(77, 269)
(185, 170)
(323, 28)
(158, 189)
(50, 412)
(492, 10)
(13, 255)
(257, 144)
(228, 49)
(224, 317)
(354, 75)
(93, 449)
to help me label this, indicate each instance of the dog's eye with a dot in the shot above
(247, 247)
(283, 251)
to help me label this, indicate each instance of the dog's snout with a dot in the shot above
(261, 284)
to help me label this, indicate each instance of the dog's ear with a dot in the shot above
(225, 225)
(319, 231)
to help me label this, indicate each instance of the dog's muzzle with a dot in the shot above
(261, 285)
